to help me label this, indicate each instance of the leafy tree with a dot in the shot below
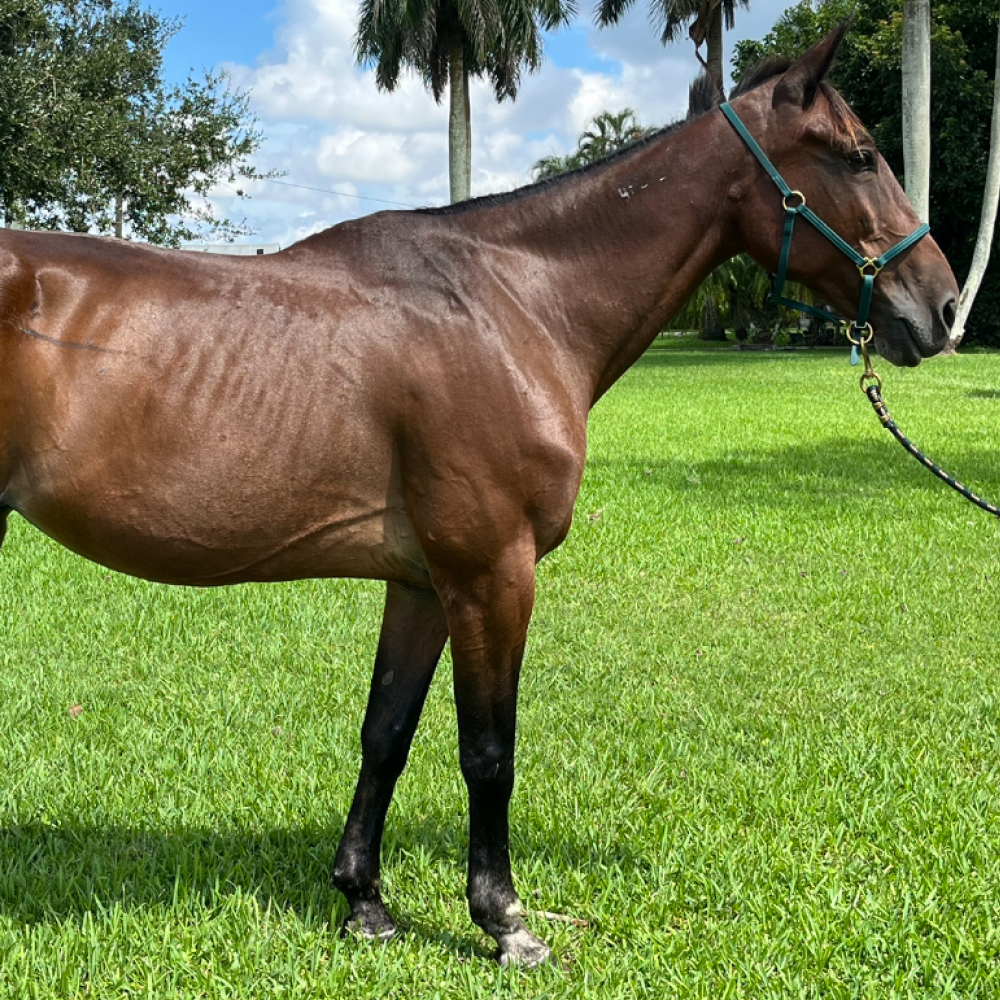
(605, 132)
(450, 41)
(869, 74)
(87, 123)
(703, 18)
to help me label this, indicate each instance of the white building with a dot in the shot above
(234, 249)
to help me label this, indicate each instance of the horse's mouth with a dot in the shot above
(901, 348)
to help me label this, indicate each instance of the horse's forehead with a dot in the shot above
(831, 122)
(847, 131)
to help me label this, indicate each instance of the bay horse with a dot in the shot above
(404, 397)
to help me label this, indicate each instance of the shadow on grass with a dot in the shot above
(833, 471)
(53, 873)
(657, 357)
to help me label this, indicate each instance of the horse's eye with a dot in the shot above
(861, 160)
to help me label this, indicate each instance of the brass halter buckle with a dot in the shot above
(870, 262)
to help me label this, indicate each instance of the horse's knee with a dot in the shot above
(488, 763)
(385, 748)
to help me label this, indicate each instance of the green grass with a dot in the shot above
(758, 742)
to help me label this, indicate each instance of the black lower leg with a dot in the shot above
(488, 769)
(486, 698)
(413, 634)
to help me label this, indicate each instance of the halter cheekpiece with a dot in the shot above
(794, 203)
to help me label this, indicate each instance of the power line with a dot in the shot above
(345, 194)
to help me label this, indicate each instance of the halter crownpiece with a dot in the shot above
(794, 202)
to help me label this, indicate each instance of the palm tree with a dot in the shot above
(987, 221)
(917, 104)
(605, 132)
(552, 166)
(705, 18)
(450, 41)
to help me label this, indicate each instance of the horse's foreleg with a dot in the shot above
(413, 634)
(488, 621)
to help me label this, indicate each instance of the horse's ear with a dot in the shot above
(703, 96)
(800, 82)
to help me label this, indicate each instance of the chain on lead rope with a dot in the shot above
(871, 386)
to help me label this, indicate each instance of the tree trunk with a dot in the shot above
(714, 46)
(459, 126)
(711, 324)
(119, 217)
(917, 104)
(987, 221)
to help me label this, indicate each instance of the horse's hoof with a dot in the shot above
(370, 921)
(522, 948)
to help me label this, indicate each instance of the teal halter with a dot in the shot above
(794, 203)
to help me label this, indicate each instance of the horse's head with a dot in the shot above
(821, 149)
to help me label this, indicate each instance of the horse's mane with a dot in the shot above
(704, 96)
(492, 200)
(759, 73)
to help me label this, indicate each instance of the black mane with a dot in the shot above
(704, 96)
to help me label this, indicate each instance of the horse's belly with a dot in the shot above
(233, 540)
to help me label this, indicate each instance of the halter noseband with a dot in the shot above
(794, 203)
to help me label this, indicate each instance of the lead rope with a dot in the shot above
(874, 393)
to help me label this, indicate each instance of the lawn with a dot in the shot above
(758, 741)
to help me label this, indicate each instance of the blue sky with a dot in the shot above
(352, 150)
(216, 32)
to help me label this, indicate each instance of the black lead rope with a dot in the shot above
(874, 394)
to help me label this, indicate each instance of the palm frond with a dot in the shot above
(610, 11)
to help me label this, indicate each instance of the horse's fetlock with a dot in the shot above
(353, 876)
(494, 907)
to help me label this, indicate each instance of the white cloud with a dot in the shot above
(594, 93)
(329, 127)
(375, 157)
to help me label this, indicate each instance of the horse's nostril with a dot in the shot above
(948, 312)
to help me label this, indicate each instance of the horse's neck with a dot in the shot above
(623, 246)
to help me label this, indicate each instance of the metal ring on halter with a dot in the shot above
(873, 264)
(793, 208)
(870, 376)
(861, 341)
